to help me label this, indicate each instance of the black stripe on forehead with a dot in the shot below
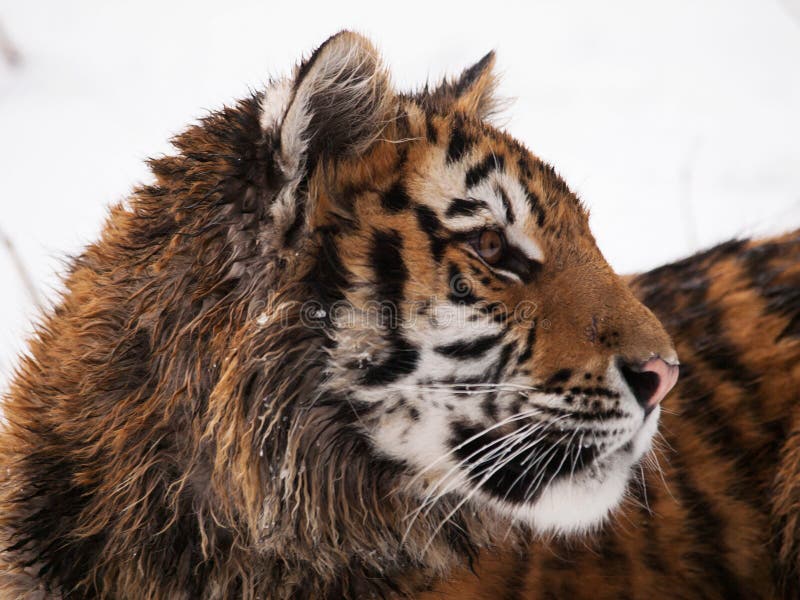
(460, 142)
(536, 207)
(431, 131)
(479, 172)
(465, 207)
(510, 218)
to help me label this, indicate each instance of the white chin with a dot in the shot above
(583, 503)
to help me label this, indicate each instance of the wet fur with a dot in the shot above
(177, 430)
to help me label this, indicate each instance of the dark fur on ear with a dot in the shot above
(472, 92)
(337, 105)
(341, 100)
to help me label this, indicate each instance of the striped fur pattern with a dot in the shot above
(718, 517)
(286, 369)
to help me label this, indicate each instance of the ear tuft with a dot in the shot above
(341, 100)
(472, 92)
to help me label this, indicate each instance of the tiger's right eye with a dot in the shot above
(490, 246)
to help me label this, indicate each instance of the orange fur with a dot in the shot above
(194, 419)
(717, 516)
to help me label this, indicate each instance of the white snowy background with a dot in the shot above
(677, 122)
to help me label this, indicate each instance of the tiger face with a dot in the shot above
(474, 327)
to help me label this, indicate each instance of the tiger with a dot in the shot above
(717, 516)
(346, 338)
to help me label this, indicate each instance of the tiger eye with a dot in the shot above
(491, 246)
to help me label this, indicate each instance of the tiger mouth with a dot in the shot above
(520, 473)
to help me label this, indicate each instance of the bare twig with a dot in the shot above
(21, 269)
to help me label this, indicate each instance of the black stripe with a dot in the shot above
(510, 217)
(396, 198)
(524, 164)
(782, 296)
(469, 349)
(388, 266)
(459, 142)
(480, 171)
(530, 341)
(402, 360)
(433, 134)
(559, 376)
(515, 585)
(616, 563)
(496, 310)
(502, 362)
(489, 406)
(328, 277)
(680, 277)
(489, 403)
(430, 224)
(460, 288)
(652, 554)
(707, 526)
(536, 207)
(726, 442)
(464, 207)
(390, 276)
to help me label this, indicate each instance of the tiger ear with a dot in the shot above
(337, 104)
(472, 92)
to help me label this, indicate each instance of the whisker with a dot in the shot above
(476, 488)
(533, 487)
(527, 469)
(510, 419)
(500, 446)
(430, 502)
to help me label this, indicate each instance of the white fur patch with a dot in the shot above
(573, 503)
(581, 504)
(275, 102)
(446, 181)
(515, 232)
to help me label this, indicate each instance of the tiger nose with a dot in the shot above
(649, 381)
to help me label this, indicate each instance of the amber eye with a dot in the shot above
(491, 246)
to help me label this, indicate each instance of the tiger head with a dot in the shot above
(474, 329)
(346, 335)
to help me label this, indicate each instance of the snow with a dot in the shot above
(677, 122)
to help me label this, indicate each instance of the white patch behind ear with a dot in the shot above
(275, 102)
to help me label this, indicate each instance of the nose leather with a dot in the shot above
(667, 378)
